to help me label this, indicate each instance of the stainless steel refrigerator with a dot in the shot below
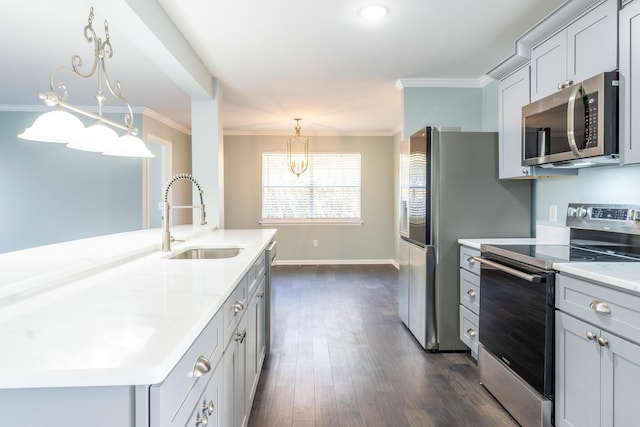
(449, 190)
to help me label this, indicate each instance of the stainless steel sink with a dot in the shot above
(207, 253)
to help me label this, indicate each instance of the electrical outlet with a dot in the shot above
(315, 243)
(553, 213)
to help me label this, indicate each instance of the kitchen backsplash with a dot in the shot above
(610, 184)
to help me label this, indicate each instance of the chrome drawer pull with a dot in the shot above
(237, 307)
(471, 293)
(471, 332)
(600, 307)
(240, 336)
(207, 408)
(260, 294)
(603, 341)
(591, 336)
(201, 367)
(202, 421)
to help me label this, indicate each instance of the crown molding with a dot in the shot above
(165, 121)
(477, 83)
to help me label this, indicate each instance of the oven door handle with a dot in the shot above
(533, 278)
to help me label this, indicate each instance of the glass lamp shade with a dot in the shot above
(129, 146)
(97, 137)
(55, 126)
(298, 155)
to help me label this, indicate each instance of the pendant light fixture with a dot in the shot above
(298, 152)
(60, 126)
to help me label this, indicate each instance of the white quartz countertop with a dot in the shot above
(112, 310)
(622, 275)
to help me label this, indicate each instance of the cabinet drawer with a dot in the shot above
(466, 253)
(470, 290)
(234, 308)
(469, 330)
(581, 298)
(255, 275)
(171, 396)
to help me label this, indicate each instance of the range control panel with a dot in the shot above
(621, 218)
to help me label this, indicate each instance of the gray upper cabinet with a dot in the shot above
(629, 132)
(581, 50)
(513, 94)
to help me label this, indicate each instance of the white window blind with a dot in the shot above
(328, 190)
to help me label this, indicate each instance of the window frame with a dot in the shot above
(310, 221)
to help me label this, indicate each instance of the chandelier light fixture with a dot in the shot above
(298, 152)
(60, 126)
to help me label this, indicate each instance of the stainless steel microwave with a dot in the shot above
(576, 126)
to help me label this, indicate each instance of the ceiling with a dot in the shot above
(276, 59)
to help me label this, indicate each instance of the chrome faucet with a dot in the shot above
(166, 208)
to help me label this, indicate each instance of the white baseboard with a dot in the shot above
(335, 262)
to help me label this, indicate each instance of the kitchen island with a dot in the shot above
(89, 326)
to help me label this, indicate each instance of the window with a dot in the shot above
(329, 191)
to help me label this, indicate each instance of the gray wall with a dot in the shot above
(610, 184)
(441, 106)
(51, 193)
(371, 242)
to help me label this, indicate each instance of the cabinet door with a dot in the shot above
(403, 282)
(254, 343)
(234, 406)
(620, 378)
(629, 93)
(418, 293)
(577, 376)
(513, 95)
(548, 66)
(591, 42)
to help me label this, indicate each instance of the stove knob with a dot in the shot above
(634, 215)
(571, 212)
(581, 212)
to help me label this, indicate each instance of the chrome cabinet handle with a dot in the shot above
(600, 307)
(591, 335)
(565, 84)
(201, 367)
(471, 332)
(202, 421)
(525, 171)
(603, 341)
(260, 294)
(471, 293)
(240, 336)
(207, 408)
(237, 307)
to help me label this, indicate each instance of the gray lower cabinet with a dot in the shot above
(469, 299)
(597, 361)
(234, 390)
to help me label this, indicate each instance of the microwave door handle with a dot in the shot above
(571, 107)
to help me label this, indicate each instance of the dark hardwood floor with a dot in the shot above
(340, 356)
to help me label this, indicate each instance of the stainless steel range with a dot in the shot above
(517, 288)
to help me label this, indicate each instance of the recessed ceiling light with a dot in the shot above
(374, 12)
